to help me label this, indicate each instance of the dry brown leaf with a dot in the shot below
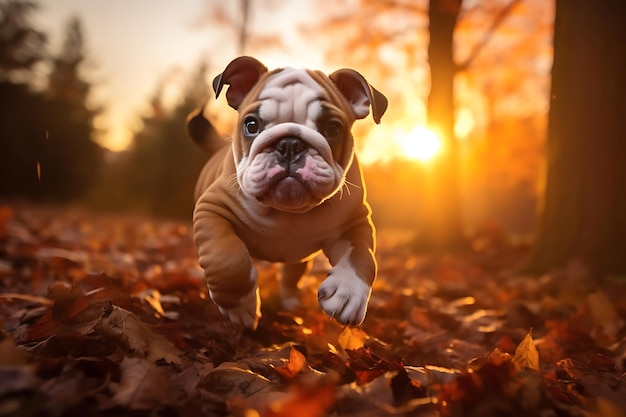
(526, 355)
(143, 386)
(231, 382)
(125, 326)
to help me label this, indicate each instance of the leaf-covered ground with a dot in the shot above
(106, 315)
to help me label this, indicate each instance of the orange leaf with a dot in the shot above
(293, 366)
(526, 354)
(352, 338)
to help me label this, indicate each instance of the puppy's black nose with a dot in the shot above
(290, 148)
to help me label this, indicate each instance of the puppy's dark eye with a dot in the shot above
(251, 126)
(332, 129)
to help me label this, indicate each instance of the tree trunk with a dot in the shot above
(584, 213)
(442, 223)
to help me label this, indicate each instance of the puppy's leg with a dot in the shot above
(290, 274)
(346, 291)
(228, 269)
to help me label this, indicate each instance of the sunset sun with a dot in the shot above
(421, 144)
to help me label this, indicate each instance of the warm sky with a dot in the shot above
(133, 44)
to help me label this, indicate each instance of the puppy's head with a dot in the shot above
(292, 144)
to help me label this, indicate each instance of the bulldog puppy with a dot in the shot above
(288, 188)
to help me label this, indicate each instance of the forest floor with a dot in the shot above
(107, 315)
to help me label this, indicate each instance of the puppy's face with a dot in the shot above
(293, 143)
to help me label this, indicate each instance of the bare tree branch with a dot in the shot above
(504, 13)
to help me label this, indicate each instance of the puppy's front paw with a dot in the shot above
(247, 313)
(344, 296)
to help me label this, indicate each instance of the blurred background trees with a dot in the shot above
(158, 173)
(21, 48)
(71, 161)
(47, 148)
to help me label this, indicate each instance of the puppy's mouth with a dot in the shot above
(288, 192)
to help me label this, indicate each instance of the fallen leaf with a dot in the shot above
(584, 382)
(489, 384)
(71, 312)
(526, 355)
(69, 300)
(137, 336)
(143, 385)
(367, 366)
(293, 366)
(229, 381)
(352, 338)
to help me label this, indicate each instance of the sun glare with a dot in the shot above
(421, 143)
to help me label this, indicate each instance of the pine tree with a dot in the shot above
(164, 163)
(21, 45)
(71, 159)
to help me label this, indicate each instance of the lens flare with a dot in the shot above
(421, 144)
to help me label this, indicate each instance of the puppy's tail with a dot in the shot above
(203, 133)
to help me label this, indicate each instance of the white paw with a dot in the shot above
(344, 296)
(249, 311)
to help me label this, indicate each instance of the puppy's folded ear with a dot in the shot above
(360, 94)
(241, 75)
